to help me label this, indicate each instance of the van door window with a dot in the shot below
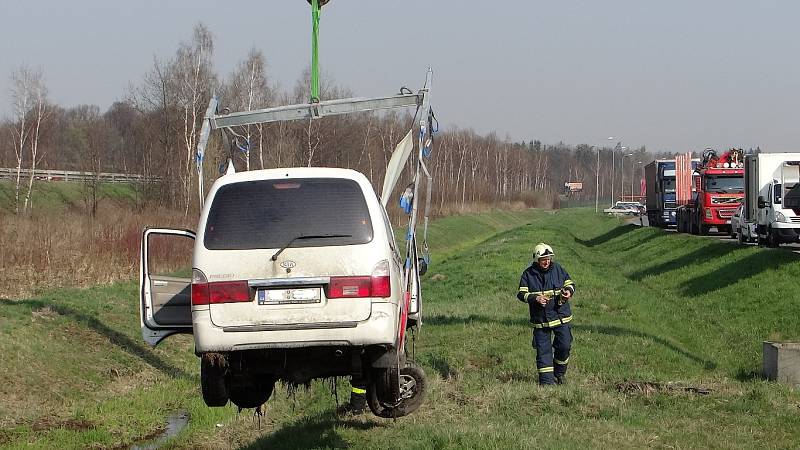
(270, 213)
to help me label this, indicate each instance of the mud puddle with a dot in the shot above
(175, 423)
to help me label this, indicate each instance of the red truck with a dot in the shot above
(708, 195)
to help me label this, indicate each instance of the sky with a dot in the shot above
(674, 76)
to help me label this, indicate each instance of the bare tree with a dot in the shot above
(248, 89)
(22, 99)
(195, 80)
(40, 111)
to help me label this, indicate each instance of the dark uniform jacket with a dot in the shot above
(550, 283)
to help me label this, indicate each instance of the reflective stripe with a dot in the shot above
(562, 362)
(568, 283)
(523, 289)
(546, 369)
(526, 296)
(554, 323)
(359, 391)
(547, 293)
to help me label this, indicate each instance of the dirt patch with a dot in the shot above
(649, 388)
(507, 377)
(47, 424)
(438, 277)
(483, 361)
(45, 313)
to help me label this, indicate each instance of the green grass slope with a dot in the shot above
(668, 332)
(57, 196)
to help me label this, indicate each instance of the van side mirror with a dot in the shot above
(761, 202)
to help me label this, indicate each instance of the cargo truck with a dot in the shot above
(709, 195)
(660, 193)
(771, 198)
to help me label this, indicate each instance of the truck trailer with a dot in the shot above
(660, 193)
(770, 182)
(709, 195)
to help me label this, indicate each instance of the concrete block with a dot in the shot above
(782, 362)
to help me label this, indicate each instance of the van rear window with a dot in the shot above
(270, 213)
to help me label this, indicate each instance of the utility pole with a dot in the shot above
(597, 182)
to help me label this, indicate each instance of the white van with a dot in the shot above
(769, 177)
(296, 276)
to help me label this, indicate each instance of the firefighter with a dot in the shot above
(547, 289)
(358, 399)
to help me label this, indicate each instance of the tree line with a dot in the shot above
(154, 128)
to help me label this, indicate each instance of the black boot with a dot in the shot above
(357, 404)
(561, 379)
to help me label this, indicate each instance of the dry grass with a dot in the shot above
(67, 249)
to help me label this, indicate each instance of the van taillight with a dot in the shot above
(377, 285)
(347, 287)
(204, 293)
(381, 286)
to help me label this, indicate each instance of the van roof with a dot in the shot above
(292, 172)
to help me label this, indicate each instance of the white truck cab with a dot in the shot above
(769, 177)
(295, 276)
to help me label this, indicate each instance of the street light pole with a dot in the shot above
(612, 176)
(597, 179)
(597, 182)
(631, 179)
(622, 173)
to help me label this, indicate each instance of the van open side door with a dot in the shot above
(165, 282)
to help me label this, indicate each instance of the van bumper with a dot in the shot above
(379, 329)
(786, 232)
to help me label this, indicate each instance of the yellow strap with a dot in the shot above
(554, 323)
(359, 391)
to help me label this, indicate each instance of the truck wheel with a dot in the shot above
(772, 241)
(212, 380)
(412, 388)
(702, 230)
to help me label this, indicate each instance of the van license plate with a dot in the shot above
(288, 296)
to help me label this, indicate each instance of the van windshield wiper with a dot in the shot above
(307, 236)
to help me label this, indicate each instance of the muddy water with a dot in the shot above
(175, 423)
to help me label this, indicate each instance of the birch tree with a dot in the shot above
(39, 111)
(195, 80)
(247, 89)
(22, 99)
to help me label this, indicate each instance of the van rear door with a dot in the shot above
(165, 283)
(304, 247)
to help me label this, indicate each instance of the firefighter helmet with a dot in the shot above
(542, 250)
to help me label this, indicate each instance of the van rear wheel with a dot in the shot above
(253, 393)
(410, 394)
(212, 380)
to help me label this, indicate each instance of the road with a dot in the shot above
(642, 221)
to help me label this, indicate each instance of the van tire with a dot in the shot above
(252, 395)
(415, 385)
(212, 381)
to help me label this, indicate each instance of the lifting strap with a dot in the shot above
(315, 13)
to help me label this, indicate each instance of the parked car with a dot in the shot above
(625, 209)
(741, 229)
(296, 276)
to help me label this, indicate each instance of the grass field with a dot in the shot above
(55, 196)
(667, 353)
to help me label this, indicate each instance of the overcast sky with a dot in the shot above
(674, 76)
